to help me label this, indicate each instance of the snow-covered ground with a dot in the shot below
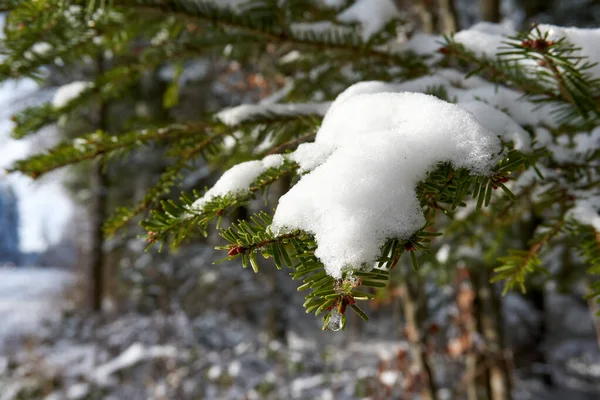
(28, 297)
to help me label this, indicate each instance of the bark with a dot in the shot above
(98, 187)
(427, 15)
(448, 16)
(278, 323)
(98, 211)
(490, 320)
(594, 309)
(414, 310)
(490, 10)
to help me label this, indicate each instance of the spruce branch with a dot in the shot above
(252, 21)
(95, 144)
(328, 295)
(177, 220)
(124, 215)
(520, 263)
(557, 76)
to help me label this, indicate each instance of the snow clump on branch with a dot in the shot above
(376, 148)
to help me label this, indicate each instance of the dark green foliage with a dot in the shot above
(142, 36)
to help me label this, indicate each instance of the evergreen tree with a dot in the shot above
(496, 170)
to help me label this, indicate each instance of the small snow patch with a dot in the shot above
(236, 115)
(69, 92)
(371, 14)
(238, 178)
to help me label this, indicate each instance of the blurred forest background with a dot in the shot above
(84, 316)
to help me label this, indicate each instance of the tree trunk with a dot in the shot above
(427, 15)
(98, 210)
(98, 183)
(448, 16)
(414, 309)
(490, 10)
(490, 319)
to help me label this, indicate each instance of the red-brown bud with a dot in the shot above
(235, 250)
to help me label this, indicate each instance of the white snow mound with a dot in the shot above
(375, 149)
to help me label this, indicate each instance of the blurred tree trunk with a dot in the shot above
(277, 319)
(490, 10)
(448, 16)
(427, 15)
(98, 209)
(498, 372)
(415, 312)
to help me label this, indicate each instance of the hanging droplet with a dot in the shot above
(335, 321)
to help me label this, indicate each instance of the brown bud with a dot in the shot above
(235, 250)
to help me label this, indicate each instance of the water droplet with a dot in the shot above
(335, 321)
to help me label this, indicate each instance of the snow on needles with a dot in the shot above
(372, 15)
(238, 179)
(69, 92)
(378, 147)
(583, 38)
(239, 114)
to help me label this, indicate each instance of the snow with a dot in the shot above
(587, 212)
(468, 90)
(484, 37)
(28, 297)
(192, 71)
(234, 368)
(575, 149)
(272, 161)
(39, 49)
(78, 391)
(543, 137)
(239, 114)
(302, 29)
(43, 203)
(334, 3)
(309, 156)
(371, 14)
(214, 372)
(66, 93)
(470, 99)
(136, 353)
(522, 111)
(499, 123)
(389, 378)
(291, 57)
(381, 145)
(423, 44)
(238, 179)
(488, 39)
(460, 80)
(443, 254)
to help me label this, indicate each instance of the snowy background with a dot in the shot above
(222, 350)
(45, 206)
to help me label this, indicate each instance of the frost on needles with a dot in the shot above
(375, 149)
